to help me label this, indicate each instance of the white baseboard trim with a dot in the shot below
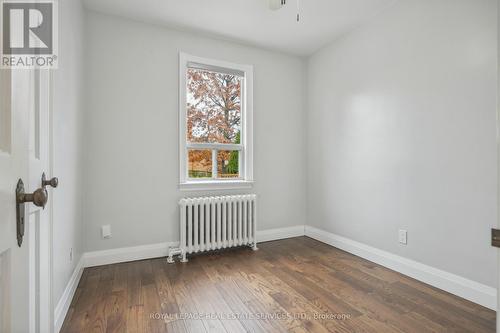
(280, 233)
(62, 306)
(457, 285)
(124, 254)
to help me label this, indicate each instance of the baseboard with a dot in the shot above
(279, 233)
(457, 285)
(124, 254)
(62, 306)
(113, 256)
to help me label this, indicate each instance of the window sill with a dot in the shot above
(215, 185)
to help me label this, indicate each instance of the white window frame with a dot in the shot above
(246, 135)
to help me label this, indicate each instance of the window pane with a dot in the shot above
(200, 163)
(213, 106)
(228, 164)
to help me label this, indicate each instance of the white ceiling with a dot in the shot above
(251, 21)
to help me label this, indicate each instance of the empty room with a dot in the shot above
(249, 166)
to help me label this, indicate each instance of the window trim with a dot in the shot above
(245, 180)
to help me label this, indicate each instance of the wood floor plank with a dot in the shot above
(165, 290)
(120, 277)
(186, 306)
(295, 285)
(203, 286)
(262, 301)
(134, 293)
(97, 314)
(135, 319)
(199, 297)
(152, 308)
(81, 309)
(233, 299)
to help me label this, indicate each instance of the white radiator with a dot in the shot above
(212, 223)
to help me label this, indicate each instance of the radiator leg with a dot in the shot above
(184, 259)
(170, 259)
(254, 246)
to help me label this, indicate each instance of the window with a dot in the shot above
(215, 124)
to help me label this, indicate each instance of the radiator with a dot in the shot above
(213, 223)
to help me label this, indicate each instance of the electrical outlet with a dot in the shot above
(106, 231)
(71, 254)
(403, 237)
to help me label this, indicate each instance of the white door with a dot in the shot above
(25, 271)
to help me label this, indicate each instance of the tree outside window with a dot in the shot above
(213, 117)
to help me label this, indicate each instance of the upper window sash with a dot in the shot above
(214, 98)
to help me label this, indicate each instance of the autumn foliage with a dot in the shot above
(213, 116)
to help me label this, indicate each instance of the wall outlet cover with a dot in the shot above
(106, 231)
(403, 237)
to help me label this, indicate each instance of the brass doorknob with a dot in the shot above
(51, 182)
(38, 198)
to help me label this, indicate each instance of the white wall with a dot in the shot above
(131, 142)
(67, 132)
(402, 134)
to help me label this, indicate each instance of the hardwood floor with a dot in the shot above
(294, 285)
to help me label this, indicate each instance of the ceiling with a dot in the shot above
(251, 21)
